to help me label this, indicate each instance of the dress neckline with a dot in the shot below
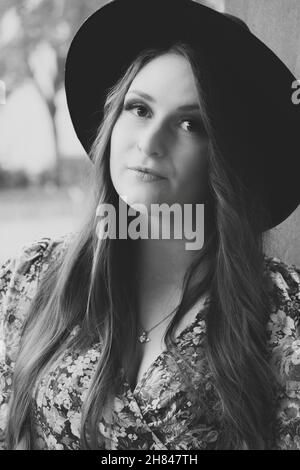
(140, 383)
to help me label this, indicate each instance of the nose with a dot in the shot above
(151, 141)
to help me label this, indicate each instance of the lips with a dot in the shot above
(147, 170)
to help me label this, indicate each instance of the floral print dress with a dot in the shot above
(174, 406)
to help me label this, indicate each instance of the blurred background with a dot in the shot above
(43, 167)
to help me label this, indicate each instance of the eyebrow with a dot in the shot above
(186, 107)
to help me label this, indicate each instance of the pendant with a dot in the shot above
(144, 338)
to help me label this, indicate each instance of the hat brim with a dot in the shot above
(248, 89)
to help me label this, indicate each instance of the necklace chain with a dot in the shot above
(143, 338)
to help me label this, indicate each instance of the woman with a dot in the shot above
(139, 343)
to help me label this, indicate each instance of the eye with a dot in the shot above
(190, 125)
(142, 111)
(194, 126)
(139, 108)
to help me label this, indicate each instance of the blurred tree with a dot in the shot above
(34, 38)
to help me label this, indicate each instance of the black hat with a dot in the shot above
(247, 88)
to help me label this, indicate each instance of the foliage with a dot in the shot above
(25, 27)
(52, 21)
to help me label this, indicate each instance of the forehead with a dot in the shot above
(167, 76)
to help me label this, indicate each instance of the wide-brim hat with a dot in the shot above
(247, 88)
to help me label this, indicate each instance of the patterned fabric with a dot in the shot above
(174, 405)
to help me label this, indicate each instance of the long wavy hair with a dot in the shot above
(93, 285)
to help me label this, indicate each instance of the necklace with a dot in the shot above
(143, 338)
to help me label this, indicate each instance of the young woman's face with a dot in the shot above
(160, 128)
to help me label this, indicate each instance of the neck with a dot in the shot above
(165, 256)
(163, 262)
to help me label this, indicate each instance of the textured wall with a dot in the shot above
(277, 24)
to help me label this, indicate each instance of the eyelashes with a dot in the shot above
(131, 106)
(197, 125)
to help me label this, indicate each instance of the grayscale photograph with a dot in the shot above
(149, 270)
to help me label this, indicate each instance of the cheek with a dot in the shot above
(115, 151)
(194, 164)
(194, 173)
(120, 151)
(116, 147)
(120, 140)
(115, 140)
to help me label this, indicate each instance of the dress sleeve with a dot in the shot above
(19, 278)
(284, 336)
